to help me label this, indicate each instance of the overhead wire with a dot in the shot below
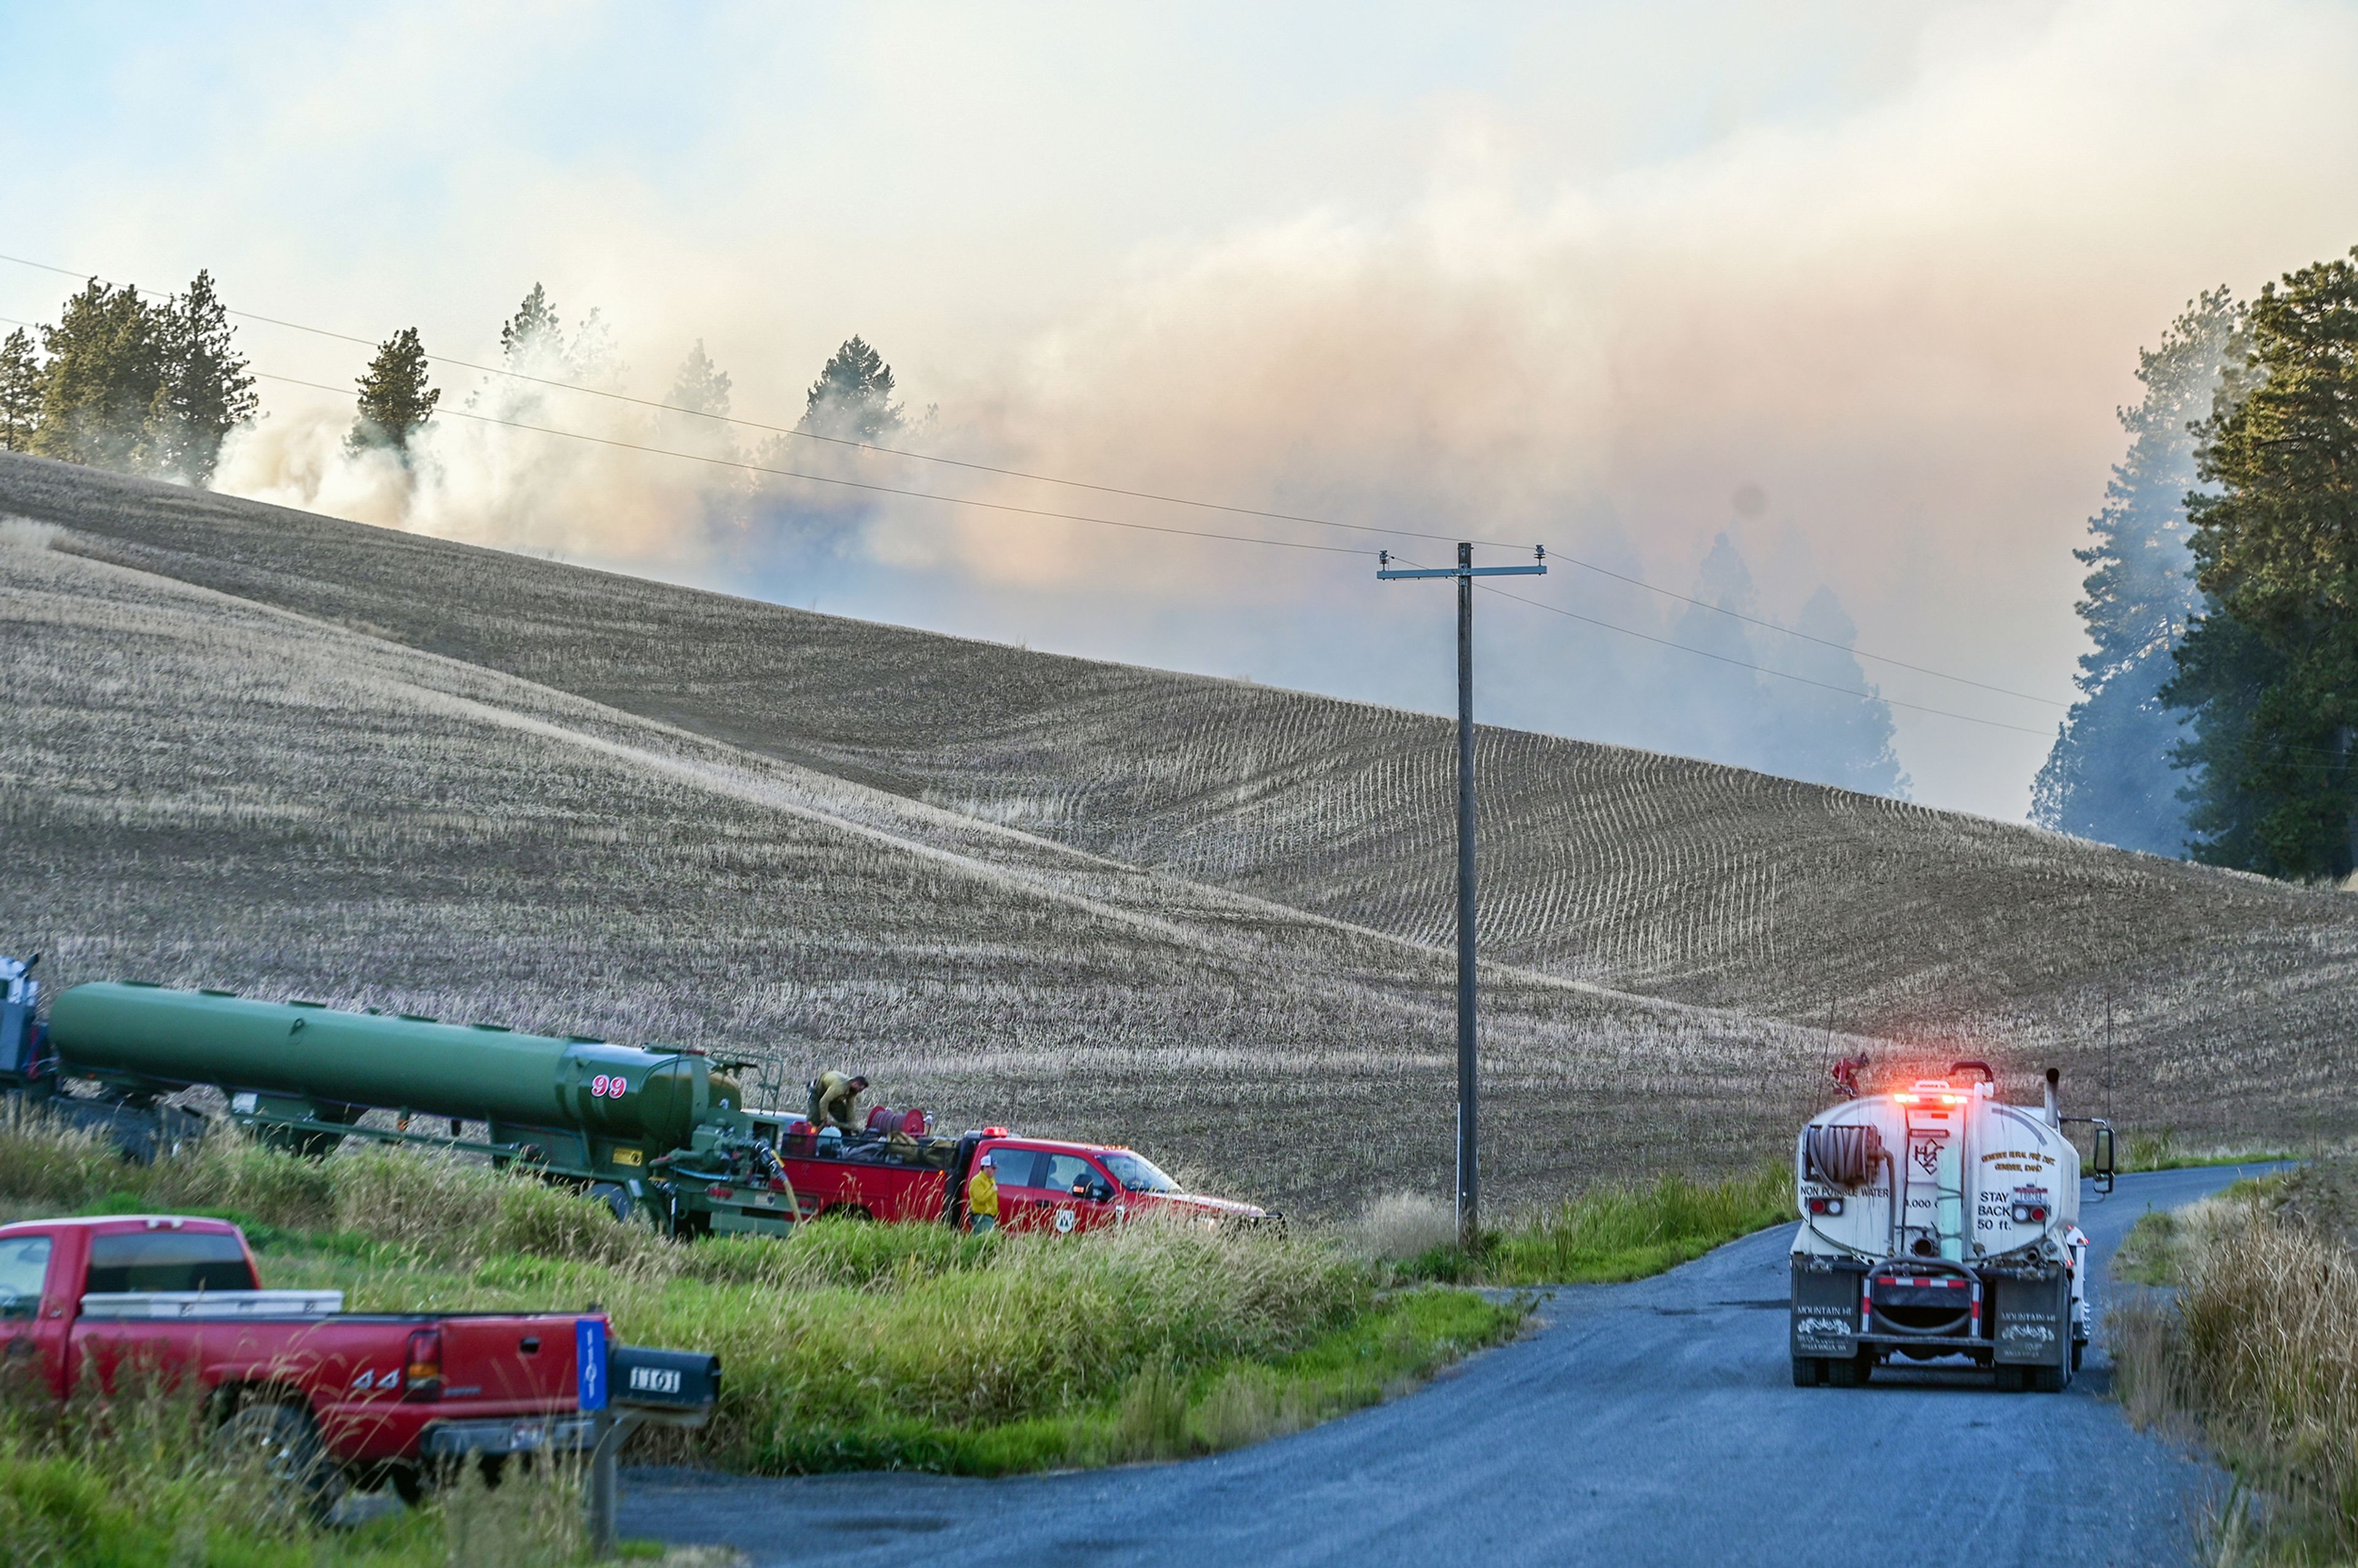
(1050, 514)
(1158, 497)
(851, 483)
(1143, 527)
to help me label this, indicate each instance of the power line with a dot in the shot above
(1759, 669)
(1186, 533)
(1106, 489)
(802, 435)
(848, 483)
(1804, 637)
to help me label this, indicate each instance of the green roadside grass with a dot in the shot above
(849, 1345)
(1616, 1233)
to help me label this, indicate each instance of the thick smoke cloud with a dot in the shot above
(1876, 341)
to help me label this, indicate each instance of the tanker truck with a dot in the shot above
(664, 1134)
(1936, 1222)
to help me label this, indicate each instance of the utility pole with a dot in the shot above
(1464, 571)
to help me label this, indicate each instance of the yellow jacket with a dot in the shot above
(982, 1194)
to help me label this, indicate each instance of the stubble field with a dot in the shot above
(291, 755)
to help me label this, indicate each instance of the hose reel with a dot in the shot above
(1845, 1156)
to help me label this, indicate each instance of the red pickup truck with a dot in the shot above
(327, 1398)
(1043, 1183)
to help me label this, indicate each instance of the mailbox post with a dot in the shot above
(633, 1387)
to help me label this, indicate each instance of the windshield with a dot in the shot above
(1139, 1174)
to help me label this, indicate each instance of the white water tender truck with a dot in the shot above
(1938, 1221)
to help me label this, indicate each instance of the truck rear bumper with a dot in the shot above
(509, 1434)
(2022, 1317)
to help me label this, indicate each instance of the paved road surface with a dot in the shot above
(1648, 1422)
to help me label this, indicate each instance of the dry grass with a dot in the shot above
(2259, 1350)
(1399, 1227)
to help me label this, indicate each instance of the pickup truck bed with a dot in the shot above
(87, 1303)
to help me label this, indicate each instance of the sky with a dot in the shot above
(1846, 294)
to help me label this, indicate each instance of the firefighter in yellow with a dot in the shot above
(982, 1195)
(833, 1099)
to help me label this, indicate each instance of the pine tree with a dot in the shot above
(395, 399)
(106, 365)
(204, 390)
(1826, 736)
(699, 387)
(852, 398)
(533, 341)
(20, 391)
(2270, 670)
(2109, 774)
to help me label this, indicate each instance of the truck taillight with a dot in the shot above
(1825, 1206)
(421, 1376)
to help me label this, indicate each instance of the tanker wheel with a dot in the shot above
(2011, 1379)
(1851, 1372)
(1808, 1371)
(2049, 1380)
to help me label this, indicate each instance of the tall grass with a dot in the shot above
(1629, 1231)
(2260, 1350)
(848, 1344)
(133, 1481)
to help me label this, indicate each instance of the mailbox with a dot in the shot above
(661, 1384)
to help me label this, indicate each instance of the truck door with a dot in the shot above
(1068, 1179)
(1024, 1201)
(33, 1322)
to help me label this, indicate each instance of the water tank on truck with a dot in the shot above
(1939, 1221)
(658, 1130)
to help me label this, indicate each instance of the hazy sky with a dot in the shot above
(1571, 274)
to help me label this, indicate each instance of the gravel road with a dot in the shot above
(1648, 1423)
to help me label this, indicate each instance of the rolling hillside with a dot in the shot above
(1206, 914)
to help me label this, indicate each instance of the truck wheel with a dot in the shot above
(616, 1197)
(1851, 1372)
(1806, 1369)
(2009, 1378)
(2049, 1380)
(283, 1444)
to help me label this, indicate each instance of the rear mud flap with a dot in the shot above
(2031, 1319)
(1825, 1307)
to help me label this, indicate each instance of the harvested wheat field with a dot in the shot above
(287, 754)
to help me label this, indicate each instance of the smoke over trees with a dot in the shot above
(1787, 727)
(2111, 775)
(396, 398)
(2269, 670)
(852, 398)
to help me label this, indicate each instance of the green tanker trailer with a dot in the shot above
(658, 1131)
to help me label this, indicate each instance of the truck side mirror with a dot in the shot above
(2104, 1158)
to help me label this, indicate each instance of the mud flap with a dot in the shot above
(1825, 1307)
(2032, 1320)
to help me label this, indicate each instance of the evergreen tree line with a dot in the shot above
(2219, 707)
(139, 385)
(154, 386)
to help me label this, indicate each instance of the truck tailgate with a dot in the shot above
(508, 1364)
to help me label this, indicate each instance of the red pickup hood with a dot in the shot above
(1194, 1204)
